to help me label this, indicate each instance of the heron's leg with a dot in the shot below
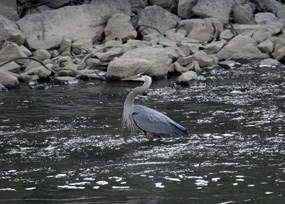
(149, 136)
(158, 137)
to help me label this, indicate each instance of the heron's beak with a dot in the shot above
(127, 79)
(131, 78)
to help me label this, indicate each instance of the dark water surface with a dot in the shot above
(65, 143)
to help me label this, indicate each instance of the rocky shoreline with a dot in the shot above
(106, 39)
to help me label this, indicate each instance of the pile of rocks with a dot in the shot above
(113, 39)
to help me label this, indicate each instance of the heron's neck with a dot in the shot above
(129, 102)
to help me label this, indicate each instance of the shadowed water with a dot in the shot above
(65, 143)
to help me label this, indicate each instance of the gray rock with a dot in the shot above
(178, 35)
(242, 14)
(113, 43)
(12, 67)
(65, 45)
(272, 28)
(54, 3)
(10, 51)
(205, 60)
(10, 31)
(146, 59)
(242, 47)
(265, 17)
(226, 34)
(8, 9)
(193, 65)
(3, 88)
(83, 44)
(93, 62)
(185, 8)
(266, 46)
(187, 77)
(214, 47)
(166, 4)
(26, 50)
(273, 6)
(110, 54)
(261, 35)
(8, 80)
(198, 29)
(42, 54)
(158, 18)
(278, 42)
(119, 27)
(219, 9)
(45, 31)
(202, 29)
(41, 71)
(280, 54)
(269, 62)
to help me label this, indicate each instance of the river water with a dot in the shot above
(65, 143)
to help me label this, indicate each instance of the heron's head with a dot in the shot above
(138, 77)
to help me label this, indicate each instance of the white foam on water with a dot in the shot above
(120, 187)
(215, 179)
(7, 189)
(79, 183)
(96, 187)
(201, 182)
(159, 185)
(172, 179)
(30, 188)
(102, 183)
(71, 187)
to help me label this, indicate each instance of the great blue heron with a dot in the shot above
(150, 121)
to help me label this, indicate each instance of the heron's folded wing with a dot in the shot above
(150, 120)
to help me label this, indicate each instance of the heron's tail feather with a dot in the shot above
(180, 130)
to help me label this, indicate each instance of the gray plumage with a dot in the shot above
(150, 121)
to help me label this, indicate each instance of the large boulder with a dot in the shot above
(10, 31)
(120, 27)
(47, 29)
(8, 9)
(155, 61)
(8, 80)
(219, 9)
(154, 18)
(241, 47)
